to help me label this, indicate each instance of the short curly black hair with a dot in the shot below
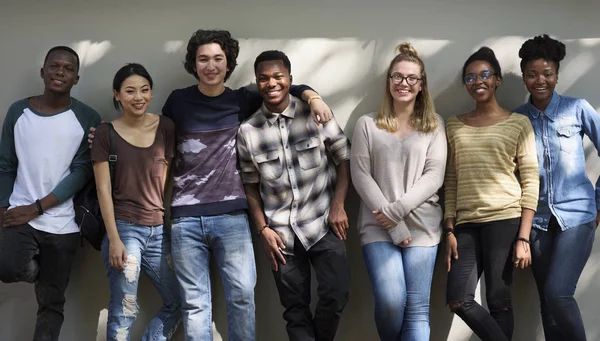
(273, 55)
(63, 48)
(483, 54)
(230, 46)
(542, 47)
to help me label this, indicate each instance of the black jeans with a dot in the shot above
(328, 258)
(29, 255)
(484, 247)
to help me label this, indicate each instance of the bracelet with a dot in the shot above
(448, 230)
(260, 230)
(38, 204)
(523, 240)
(313, 97)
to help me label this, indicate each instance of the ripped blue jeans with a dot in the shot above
(149, 250)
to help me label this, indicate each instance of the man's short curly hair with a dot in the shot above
(229, 45)
(542, 47)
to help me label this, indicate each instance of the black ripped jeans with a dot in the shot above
(484, 248)
(29, 255)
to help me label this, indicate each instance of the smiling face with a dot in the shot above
(401, 75)
(540, 78)
(134, 95)
(273, 80)
(211, 65)
(60, 72)
(484, 81)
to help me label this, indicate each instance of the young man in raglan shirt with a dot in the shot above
(209, 205)
(296, 200)
(44, 161)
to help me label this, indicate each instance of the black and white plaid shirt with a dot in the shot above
(286, 155)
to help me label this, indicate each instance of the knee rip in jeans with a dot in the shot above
(131, 268)
(499, 305)
(122, 334)
(129, 305)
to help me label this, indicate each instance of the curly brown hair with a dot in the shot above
(229, 45)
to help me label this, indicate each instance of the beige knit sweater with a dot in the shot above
(492, 171)
(399, 177)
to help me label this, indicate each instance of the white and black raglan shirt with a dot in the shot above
(40, 154)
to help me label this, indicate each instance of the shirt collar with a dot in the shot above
(289, 111)
(551, 110)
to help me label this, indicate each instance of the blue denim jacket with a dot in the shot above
(565, 190)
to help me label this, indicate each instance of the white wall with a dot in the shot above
(341, 48)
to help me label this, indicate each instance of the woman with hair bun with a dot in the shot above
(491, 197)
(397, 165)
(567, 212)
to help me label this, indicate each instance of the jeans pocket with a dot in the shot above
(176, 221)
(123, 223)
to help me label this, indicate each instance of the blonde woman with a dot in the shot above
(397, 165)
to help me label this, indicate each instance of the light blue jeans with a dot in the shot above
(149, 250)
(227, 238)
(401, 280)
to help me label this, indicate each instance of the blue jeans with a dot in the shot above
(401, 280)
(558, 259)
(226, 237)
(149, 250)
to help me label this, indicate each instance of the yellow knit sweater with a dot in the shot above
(492, 171)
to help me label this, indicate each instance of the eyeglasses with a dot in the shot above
(484, 75)
(410, 80)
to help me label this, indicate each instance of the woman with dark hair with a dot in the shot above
(491, 196)
(567, 213)
(399, 220)
(132, 205)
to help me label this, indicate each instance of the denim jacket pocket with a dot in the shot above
(570, 139)
(309, 153)
(269, 164)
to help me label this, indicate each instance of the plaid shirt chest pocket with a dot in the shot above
(269, 164)
(309, 152)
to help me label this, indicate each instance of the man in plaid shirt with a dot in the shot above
(299, 212)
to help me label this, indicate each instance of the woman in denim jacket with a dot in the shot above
(566, 217)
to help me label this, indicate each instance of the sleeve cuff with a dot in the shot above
(60, 195)
(250, 178)
(390, 213)
(399, 233)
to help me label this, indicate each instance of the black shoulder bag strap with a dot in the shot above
(112, 157)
